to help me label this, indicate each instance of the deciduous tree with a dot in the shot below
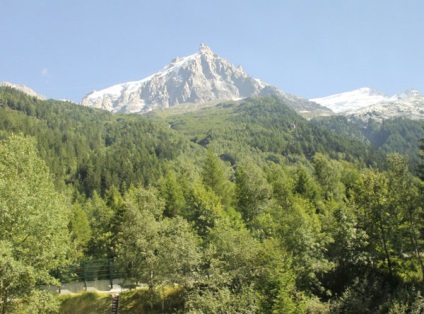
(155, 250)
(34, 237)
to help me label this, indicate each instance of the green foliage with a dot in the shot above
(100, 218)
(242, 275)
(91, 148)
(252, 190)
(80, 229)
(33, 224)
(264, 126)
(88, 302)
(215, 177)
(152, 249)
(226, 273)
(328, 174)
(305, 184)
(397, 135)
(379, 219)
(222, 301)
(172, 193)
(350, 241)
(203, 209)
(421, 156)
(170, 300)
(246, 206)
(277, 283)
(359, 297)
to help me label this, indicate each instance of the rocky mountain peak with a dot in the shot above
(205, 50)
(200, 78)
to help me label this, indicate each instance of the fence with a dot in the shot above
(88, 270)
(96, 275)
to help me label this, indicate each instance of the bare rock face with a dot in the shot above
(23, 89)
(199, 78)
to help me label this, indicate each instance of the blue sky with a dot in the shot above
(310, 48)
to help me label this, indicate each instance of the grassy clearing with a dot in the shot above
(86, 302)
(168, 300)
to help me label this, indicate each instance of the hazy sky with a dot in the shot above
(310, 48)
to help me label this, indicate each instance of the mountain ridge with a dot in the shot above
(365, 103)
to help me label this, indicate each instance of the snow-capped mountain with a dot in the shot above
(23, 89)
(202, 77)
(351, 101)
(367, 103)
(408, 105)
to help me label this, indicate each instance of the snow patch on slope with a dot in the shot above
(351, 101)
(366, 103)
(407, 105)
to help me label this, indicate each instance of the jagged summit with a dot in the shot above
(23, 89)
(197, 78)
(202, 77)
(205, 50)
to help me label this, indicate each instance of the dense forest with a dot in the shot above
(245, 207)
(390, 136)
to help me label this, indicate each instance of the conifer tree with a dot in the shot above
(215, 178)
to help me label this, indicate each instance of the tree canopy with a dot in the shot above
(242, 207)
(34, 237)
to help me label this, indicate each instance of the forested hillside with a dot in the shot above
(245, 207)
(266, 126)
(397, 135)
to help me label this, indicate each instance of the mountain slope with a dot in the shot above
(266, 125)
(407, 105)
(85, 146)
(24, 89)
(203, 77)
(396, 135)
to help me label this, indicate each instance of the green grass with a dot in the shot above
(130, 302)
(87, 303)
